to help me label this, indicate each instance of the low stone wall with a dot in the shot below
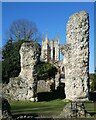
(43, 86)
(18, 89)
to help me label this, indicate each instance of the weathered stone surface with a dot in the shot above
(43, 86)
(75, 109)
(24, 87)
(30, 55)
(76, 56)
(6, 109)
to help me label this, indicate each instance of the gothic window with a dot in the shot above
(48, 52)
(53, 53)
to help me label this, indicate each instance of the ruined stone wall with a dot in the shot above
(24, 86)
(43, 86)
(29, 53)
(76, 56)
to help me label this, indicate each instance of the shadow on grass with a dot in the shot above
(92, 96)
(43, 96)
(24, 117)
(29, 117)
(33, 118)
(56, 94)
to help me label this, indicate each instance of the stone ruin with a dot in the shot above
(75, 62)
(76, 56)
(24, 86)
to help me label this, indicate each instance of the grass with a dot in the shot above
(50, 108)
(90, 106)
(53, 107)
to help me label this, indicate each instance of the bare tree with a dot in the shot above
(23, 29)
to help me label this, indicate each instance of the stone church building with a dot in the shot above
(50, 50)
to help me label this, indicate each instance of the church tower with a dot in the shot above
(45, 51)
(50, 50)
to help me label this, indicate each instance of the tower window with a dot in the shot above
(53, 53)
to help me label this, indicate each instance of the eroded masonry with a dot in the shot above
(73, 71)
(76, 54)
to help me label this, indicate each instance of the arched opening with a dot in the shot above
(62, 76)
(63, 69)
(61, 56)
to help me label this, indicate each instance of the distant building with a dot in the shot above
(50, 50)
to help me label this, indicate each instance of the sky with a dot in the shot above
(95, 36)
(50, 17)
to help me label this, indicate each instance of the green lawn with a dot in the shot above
(90, 106)
(53, 107)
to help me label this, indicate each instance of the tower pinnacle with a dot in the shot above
(58, 38)
(46, 39)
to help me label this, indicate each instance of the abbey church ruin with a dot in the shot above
(73, 70)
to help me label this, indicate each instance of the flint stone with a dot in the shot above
(76, 56)
(6, 109)
(24, 87)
